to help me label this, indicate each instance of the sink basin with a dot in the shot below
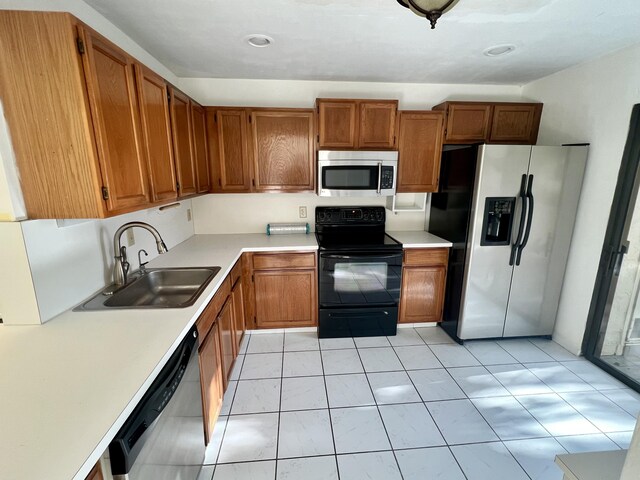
(158, 288)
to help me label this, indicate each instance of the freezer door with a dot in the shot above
(535, 289)
(487, 271)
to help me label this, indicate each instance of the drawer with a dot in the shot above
(236, 272)
(210, 313)
(266, 261)
(426, 256)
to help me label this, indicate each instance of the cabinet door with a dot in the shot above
(468, 123)
(228, 147)
(211, 379)
(182, 143)
(422, 295)
(227, 339)
(110, 81)
(515, 123)
(283, 149)
(419, 150)
(285, 298)
(238, 313)
(199, 122)
(95, 473)
(377, 124)
(337, 123)
(156, 129)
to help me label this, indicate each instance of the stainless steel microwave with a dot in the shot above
(357, 173)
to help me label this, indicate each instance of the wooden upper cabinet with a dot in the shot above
(227, 131)
(114, 107)
(419, 150)
(377, 124)
(349, 124)
(283, 150)
(201, 160)
(183, 143)
(467, 123)
(337, 123)
(491, 122)
(156, 132)
(515, 123)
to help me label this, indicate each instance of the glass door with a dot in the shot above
(613, 330)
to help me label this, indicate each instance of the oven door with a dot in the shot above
(358, 293)
(343, 178)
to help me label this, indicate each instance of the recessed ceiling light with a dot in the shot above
(258, 40)
(499, 50)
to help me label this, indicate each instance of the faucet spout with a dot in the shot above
(120, 255)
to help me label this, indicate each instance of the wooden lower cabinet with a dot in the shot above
(237, 298)
(424, 275)
(283, 290)
(227, 339)
(210, 359)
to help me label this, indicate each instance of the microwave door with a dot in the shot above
(346, 178)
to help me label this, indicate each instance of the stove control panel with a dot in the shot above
(350, 215)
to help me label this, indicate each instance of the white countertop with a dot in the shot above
(69, 385)
(420, 240)
(592, 465)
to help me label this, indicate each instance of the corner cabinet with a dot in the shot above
(91, 127)
(261, 150)
(345, 124)
(419, 151)
(424, 274)
(283, 291)
(491, 122)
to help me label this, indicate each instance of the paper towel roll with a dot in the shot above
(287, 228)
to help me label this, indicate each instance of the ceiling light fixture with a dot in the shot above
(499, 50)
(258, 40)
(432, 10)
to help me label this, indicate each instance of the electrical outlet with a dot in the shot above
(188, 214)
(131, 239)
(302, 211)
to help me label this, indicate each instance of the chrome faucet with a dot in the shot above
(121, 266)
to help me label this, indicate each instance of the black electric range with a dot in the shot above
(359, 274)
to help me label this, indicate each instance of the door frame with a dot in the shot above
(626, 190)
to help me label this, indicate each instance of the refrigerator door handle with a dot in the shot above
(525, 240)
(516, 245)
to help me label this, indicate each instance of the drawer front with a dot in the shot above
(208, 316)
(267, 261)
(426, 256)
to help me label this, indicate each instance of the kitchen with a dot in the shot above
(68, 260)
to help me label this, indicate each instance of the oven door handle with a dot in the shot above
(346, 257)
(379, 191)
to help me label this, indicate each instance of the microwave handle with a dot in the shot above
(379, 191)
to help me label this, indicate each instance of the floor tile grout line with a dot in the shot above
(333, 438)
(382, 419)
(279, 410)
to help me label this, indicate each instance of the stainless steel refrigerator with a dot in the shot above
(510, 212)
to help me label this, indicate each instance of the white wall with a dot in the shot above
(250, 213)
(302, 94)
(11, 202)
(588, 103)
(18, 305)
(70, 262)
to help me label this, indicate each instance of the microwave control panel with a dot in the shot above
(386, 180)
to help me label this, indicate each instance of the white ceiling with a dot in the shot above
(375, 40)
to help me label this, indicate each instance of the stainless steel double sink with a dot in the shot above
(156, 288)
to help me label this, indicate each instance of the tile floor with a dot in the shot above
(414, 406)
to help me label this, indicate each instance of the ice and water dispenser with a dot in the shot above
(497, 221)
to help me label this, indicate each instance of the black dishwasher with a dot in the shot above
(163, 438)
